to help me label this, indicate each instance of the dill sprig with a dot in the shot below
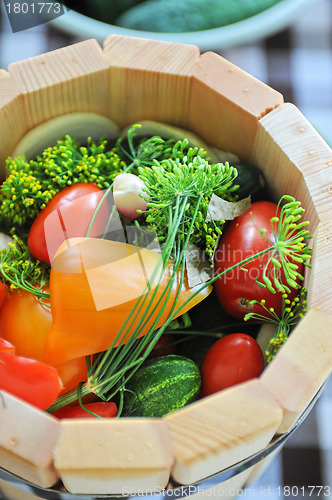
(168, 179)
(292, 312)
(21, 271)
(288, 247)
(153, 148)
(22, 194)
(30, 185)
(69, 163)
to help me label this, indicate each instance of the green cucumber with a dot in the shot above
(103, 10)
(173, 16)
(251, 181)
(162, 385)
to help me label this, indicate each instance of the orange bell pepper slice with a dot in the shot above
(94, 287)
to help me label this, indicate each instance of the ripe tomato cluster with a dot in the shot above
(238, 357)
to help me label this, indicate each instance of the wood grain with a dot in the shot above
(113, 456)
(27, 441)
(226, 104)
(319, 281)
(150, 79)
(73, 78)
(13, 120)
(301, 367)
(295, 160)
(221, 430)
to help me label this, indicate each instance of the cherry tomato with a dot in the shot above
(232, 359)
(103, 409)
(67, 215)
(30, 380)
(241, 239)
(25, 322)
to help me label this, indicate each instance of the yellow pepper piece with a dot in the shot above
(94, 287)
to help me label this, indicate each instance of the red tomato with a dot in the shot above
(25, 322)
(241, 239)
(105, 410)
(6, 346)
(232, 359)
(29, 380)
(67, 215)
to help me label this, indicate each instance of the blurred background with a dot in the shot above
(296, 60)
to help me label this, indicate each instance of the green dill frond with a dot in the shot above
(292, 312)
(22, 195)
(20, 271)
(192, 177)
(143, 152)
(288, 247)
(29, 186)
(69, 163)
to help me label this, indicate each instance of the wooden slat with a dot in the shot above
(221, 430)
(226, 104)
(150, 80)
(73, 78)
(295, 160)
(13, 121)
(301, 367)
(113, 456)
(320, 276)
(27, 441)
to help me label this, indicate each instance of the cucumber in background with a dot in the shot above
(173, 16)
(251, 181)
(103, 10)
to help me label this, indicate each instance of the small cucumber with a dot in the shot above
(161, 386)
(251, 181)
